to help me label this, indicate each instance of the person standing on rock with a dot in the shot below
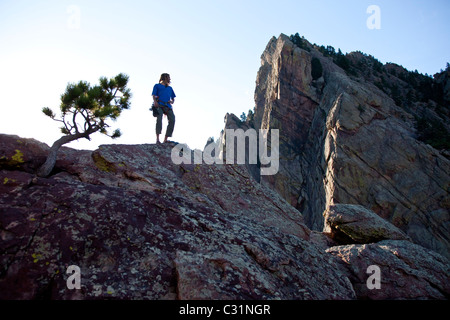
(163, 99)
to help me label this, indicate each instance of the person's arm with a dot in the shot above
(173, 97)
(155, 95)
(155, 101)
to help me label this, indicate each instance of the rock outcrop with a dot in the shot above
(140, 227)
(408, 271)
(345, 141)
(355, 224)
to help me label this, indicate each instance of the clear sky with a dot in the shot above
(211, 49)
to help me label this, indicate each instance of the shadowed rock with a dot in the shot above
(349, 223)
(407, 271)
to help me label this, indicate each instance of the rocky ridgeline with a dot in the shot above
(344, 140)
(356, 193)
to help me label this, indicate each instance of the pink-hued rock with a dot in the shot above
(407, 270)
(141, 227)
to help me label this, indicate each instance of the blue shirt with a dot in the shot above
(164, 94)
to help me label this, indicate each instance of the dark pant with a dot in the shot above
(170, 116)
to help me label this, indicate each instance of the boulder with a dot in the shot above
(406, 270)
(23, 154)
(349, 223)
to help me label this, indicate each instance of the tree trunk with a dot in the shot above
(47, 167)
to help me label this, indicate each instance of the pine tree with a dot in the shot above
(84, 111)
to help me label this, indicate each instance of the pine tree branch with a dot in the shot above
(86, 119)
(66, 125)
(74, 121)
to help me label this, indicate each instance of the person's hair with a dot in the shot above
(164, 77)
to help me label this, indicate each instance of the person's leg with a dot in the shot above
(171, 124)
(159, 123)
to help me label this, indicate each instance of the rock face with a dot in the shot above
(345, 141)
(140, 227)
(408, 271)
